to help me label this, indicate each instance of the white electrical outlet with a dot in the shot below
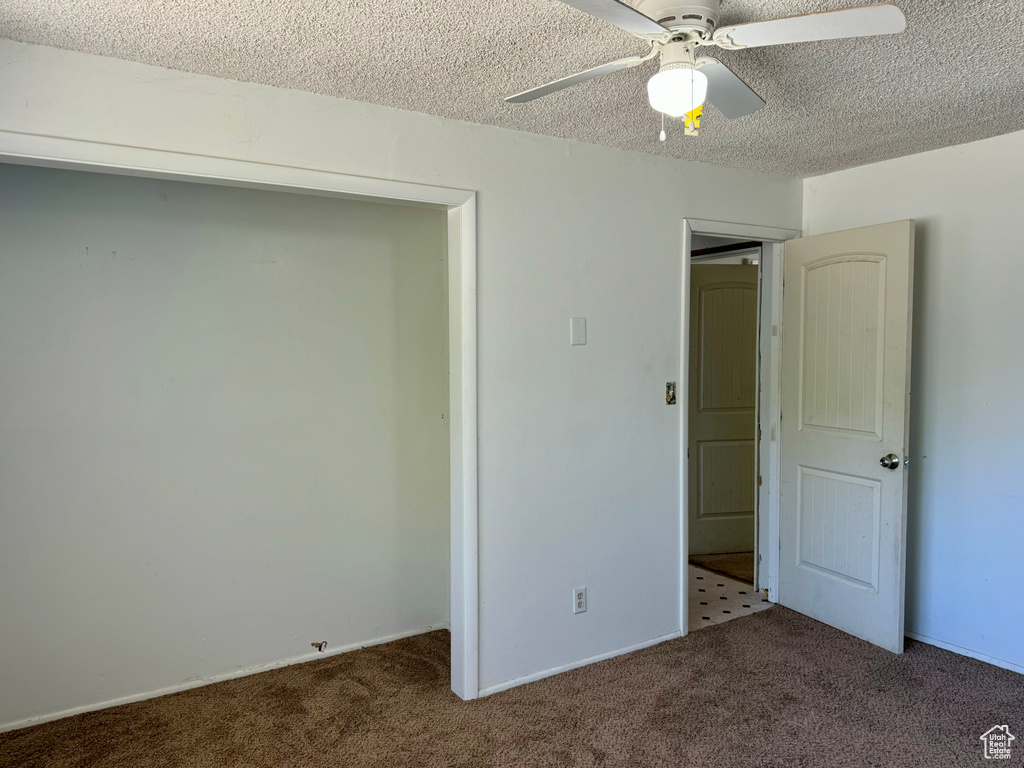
(579, 600)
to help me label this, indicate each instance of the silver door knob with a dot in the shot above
(892, 461)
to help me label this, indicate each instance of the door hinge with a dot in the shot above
(759, 481)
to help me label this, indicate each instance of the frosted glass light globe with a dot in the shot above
(677, 89)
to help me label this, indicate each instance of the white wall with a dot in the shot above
(222, 431)
(579, 458)
(966, 527)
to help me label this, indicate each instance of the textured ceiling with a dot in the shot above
(956, 74)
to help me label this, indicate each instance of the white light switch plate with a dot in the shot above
(577, 331)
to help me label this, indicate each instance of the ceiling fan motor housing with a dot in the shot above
(701, 16)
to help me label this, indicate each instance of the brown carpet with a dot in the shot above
(772, 689)
(738, 565)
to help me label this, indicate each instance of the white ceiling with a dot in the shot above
(956, 75)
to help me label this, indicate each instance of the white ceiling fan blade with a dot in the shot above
(733, 97)
(579, 77)
(881, 19)
(621, 15)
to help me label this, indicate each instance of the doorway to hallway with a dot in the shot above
(722, 440)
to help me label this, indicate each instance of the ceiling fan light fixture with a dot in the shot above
(677, 88)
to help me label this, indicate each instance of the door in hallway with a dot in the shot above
(723, 390)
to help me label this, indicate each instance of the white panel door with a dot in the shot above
(723, 388)
(845, 407)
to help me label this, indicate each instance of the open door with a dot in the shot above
(845, 410)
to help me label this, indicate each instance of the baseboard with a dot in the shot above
(201, 681)
(966, 652)
(576, 664)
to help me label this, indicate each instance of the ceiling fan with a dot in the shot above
(676, 31)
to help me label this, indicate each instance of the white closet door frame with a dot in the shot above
(74, 154)
(769, 401)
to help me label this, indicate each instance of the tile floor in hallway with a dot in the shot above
(714, 599)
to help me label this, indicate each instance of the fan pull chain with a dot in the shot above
(661, 136)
